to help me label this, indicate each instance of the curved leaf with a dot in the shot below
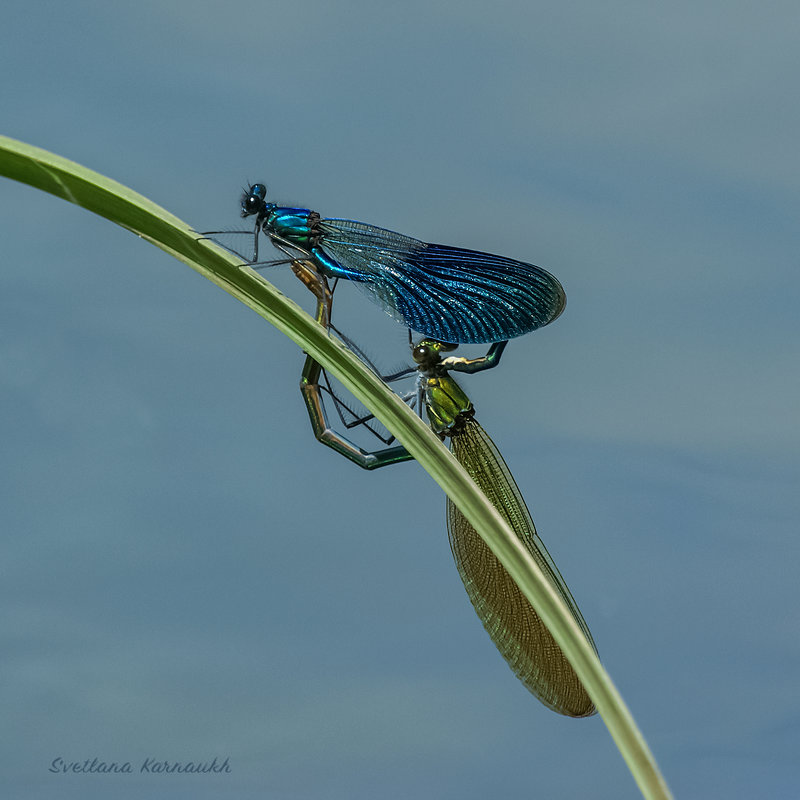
(121, 205)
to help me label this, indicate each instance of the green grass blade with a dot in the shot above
(117, 203)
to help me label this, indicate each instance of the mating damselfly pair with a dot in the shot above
(451, 296)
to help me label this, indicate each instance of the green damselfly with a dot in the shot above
(508, 617)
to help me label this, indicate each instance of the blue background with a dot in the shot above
(185, 573)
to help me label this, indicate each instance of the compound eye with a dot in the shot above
(253, 199)
(421, 353)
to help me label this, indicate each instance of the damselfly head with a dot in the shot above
(254, 199)
(426, 353)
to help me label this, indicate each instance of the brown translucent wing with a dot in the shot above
(510, 620)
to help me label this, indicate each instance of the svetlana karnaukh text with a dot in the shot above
(96, 767)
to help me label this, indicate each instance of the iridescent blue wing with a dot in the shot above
(450, 294)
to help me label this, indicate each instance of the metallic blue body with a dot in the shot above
(294, 224)
(447, 293)
(333, 269)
